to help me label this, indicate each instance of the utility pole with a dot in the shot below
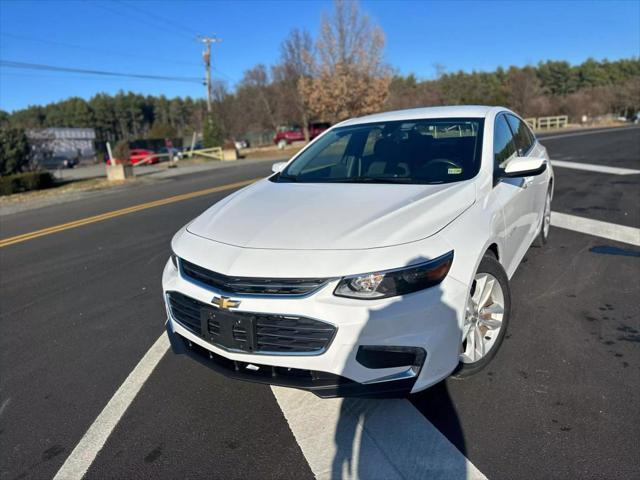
(206, 57)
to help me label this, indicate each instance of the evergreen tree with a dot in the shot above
(211, 134)
(14, 149)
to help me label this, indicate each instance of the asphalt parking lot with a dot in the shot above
(80, 306)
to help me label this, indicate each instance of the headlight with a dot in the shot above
(401, 281)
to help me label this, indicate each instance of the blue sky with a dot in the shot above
(120, 36)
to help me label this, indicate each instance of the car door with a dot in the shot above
(511, 195)
(536, 186)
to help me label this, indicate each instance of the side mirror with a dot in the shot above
(525, 167)
(277, 167)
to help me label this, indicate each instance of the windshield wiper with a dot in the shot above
(373, 180)
(288, 178)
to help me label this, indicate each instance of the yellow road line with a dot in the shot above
(5, 242)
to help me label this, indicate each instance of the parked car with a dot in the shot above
(240, 144)
(286, 135)
(55, 162)
(142, 156)
(375, 262)
(69, 162)
(61, 161)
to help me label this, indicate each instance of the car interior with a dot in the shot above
(400, 152)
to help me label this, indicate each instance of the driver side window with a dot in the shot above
(503, 145)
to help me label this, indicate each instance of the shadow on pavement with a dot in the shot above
(389, 438)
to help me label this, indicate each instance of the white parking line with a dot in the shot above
(594, 168)
(77, 464)
(4, 405)
(361, 439)
(610, 231)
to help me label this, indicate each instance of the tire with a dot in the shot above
(483, 321)
(543, 235)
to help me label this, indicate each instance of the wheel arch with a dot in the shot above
(493, 248)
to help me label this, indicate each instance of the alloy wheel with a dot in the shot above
(546, 222)
(483, 319)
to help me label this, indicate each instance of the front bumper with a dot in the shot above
(429, 319)
(322, 384)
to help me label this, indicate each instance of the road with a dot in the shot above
(80, 307)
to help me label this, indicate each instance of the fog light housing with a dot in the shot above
(383, 356)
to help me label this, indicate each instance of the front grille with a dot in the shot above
(251, 332)
(292, 334)
(251, 286)
(186, 310)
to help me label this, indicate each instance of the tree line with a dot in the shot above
(341, 74)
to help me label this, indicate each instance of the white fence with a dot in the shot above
(544, 123)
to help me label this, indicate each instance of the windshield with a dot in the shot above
(425, 151)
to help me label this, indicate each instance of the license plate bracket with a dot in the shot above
(232, 330)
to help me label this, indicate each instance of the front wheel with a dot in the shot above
(543, 236)
(486, 319)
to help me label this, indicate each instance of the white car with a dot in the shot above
(375, 262)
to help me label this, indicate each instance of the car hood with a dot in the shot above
(326, 216)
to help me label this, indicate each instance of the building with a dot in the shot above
(60, 147)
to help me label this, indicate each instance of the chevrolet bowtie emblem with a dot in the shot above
(225, 303)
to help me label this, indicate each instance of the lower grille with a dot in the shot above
(323, 384)
(251, 332)
(292, 334)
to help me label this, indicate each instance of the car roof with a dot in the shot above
(457, 111)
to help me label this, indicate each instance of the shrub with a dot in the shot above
(121, 153)
(14, 150)
(23, 182)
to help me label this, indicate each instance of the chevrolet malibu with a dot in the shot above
(376, 262)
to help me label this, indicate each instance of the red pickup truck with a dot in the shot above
(287, 135)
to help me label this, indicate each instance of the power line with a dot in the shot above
(190, 35)
(54, 68)
(155, 25)
(63, 76)
(149, 59)
(172, 23)
(97, 50)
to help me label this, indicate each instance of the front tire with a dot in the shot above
(543, 236)
(487, 317)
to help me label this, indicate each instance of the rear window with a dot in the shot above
(410, 151)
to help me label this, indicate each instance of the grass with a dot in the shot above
(62, 187)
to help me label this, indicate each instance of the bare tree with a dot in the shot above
(294, 65)
(257, 84)
(524, 88)
(627, 97)
(349, 76)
